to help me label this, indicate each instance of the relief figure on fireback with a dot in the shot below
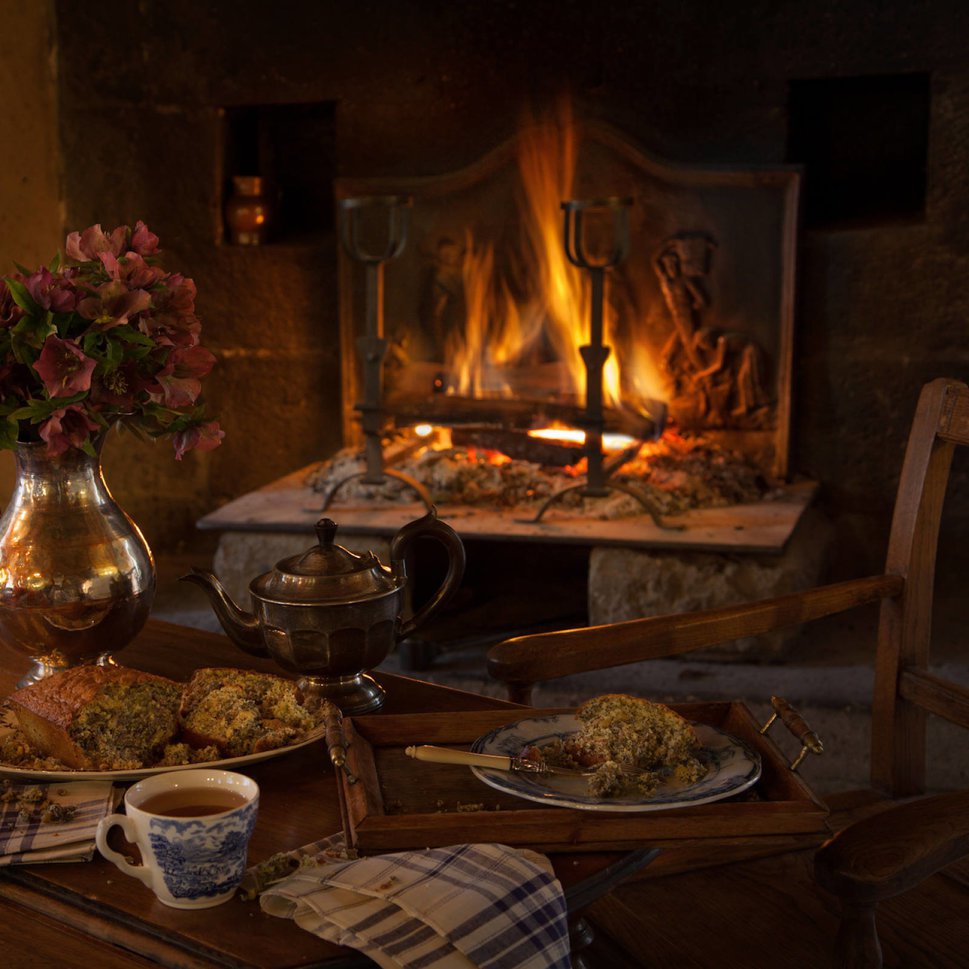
(718, 377)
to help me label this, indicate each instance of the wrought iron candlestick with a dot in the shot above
(595, 353)
(372, 345)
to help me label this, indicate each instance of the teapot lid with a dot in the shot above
(327, 572)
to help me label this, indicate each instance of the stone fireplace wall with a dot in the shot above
(157, 101)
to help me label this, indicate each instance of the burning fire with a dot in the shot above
(505, 329)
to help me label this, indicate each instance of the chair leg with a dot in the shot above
(582, 894)
(857, 945)
(581, 935)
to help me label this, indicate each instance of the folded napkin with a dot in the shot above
(472, 906)
(52, 822)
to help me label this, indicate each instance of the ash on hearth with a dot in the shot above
(678, 473)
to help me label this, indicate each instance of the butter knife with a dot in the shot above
(519, 764)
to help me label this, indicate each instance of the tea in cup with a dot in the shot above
(192, 828)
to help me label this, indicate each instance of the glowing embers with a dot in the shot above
(679, 472)
(610, 442)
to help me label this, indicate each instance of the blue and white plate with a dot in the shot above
(734, 767)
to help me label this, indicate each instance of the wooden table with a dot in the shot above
(91, 914)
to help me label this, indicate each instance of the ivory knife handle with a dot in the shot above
(448, 755)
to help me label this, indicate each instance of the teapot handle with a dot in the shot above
(430, 526)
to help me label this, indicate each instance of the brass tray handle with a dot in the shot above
(336, 742)
(798, 726)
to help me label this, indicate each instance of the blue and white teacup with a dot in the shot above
(192, 828)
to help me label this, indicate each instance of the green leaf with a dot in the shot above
(114, 355)
(25, 413)
(36, 410)
(23, 270)
(182, 421)
(21, 296)
(65, 321)
(28, 336)
(99, 418)
(9, 431)
(91, 344)
(55, 263)
(131, 335)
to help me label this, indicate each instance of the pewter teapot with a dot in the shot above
(332, 615)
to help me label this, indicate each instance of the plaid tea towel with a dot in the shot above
(53, 821)
(473, 906)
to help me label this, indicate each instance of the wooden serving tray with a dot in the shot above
(393, 803)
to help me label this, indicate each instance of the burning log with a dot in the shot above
(521, 414)
(518, 445)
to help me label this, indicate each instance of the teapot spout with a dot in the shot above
(241, 627)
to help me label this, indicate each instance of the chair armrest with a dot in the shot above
(545, 656)
(891, 852)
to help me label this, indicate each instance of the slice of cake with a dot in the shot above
(618, 732)
(242, 712)
(99, 717)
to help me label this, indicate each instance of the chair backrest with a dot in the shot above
(904, 690)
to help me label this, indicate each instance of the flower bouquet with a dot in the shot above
(106, 337)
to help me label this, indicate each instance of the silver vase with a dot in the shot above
(77, 578)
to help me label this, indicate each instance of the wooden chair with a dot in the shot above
(883, 848)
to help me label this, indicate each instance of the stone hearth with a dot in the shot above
(626, 568)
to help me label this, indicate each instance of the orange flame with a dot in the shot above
(502, 330)
(547, 155)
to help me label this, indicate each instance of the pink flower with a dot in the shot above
(66, 427)
(64, 368)
(179, 382)
(143, 241)
(172, 321)
(90, 243)
(132, 270)
(137, 273)
(118, 390)
(52, 292)
(199, 437)
(113, 305)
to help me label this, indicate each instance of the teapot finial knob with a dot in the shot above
(326, 531)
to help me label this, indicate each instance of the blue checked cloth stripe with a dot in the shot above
(485, 906)
(26, 838)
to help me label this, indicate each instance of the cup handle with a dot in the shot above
(122, 862)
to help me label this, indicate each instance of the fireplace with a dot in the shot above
(482, 374)
(564, 301)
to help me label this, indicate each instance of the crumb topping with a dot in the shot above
(241, 712)
(16, 751)
(618, 732)
(37, 802)
(127, 725)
